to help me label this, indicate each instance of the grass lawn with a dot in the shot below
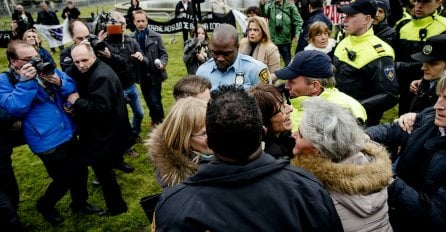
(33, 179)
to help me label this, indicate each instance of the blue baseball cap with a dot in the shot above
(309, 63)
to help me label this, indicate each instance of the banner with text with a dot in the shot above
(178, 24)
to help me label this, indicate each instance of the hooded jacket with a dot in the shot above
(358, 186)
(172, 166)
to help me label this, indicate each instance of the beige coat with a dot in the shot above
(268, 53)
(358, 186)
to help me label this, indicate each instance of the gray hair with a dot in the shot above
(332, 129)
(325, 82)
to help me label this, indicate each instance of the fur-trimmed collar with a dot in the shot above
(173, 166)
(348, 177)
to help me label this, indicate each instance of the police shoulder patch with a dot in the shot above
(264, 76)
(389, 71)
(379, 48)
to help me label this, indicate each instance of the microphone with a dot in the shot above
(157, 63)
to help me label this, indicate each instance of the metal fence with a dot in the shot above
(32, 6)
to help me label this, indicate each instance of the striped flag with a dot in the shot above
(56, 35)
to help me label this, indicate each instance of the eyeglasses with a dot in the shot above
(282, 107)
(26, 59)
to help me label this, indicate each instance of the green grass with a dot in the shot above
(33, 179)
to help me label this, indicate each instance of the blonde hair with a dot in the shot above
(32, 30)
(187, 116)
(263, 26)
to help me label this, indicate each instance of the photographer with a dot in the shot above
(35, 92)
(196, 50)
(21, 21)
(130, 49)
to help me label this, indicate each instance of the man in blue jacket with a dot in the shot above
(244, 189)
(36, 95)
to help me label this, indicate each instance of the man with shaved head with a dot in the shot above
(104, 128)
(228, 67)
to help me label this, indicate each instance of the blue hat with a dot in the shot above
(309, 63)
(367, 7)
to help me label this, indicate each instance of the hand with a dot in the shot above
(161, 66)
(406, 122)
(200, 57)
(102, 35)
(27, 72)
(72, 98)
(105, 53)
(138, 55)
(414, 86)
(52, 79)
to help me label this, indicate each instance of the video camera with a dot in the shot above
(96, 43)
(42, 67)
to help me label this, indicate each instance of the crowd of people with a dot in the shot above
(249, 144)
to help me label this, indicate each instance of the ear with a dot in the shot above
(316, 88)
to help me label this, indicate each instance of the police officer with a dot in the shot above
(364, 63)
(228, 67)
(303, 81)
(412, 35)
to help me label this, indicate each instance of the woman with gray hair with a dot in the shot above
(331, 145)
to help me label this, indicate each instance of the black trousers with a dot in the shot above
(103, 170)
(8, 182)
(68, 171)
(152, 96)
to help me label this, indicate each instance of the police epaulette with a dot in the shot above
(379, 48)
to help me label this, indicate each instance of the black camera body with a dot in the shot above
(96, 43)
(22, 25)
(45, 68)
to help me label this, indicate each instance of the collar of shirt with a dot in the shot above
(235, 66)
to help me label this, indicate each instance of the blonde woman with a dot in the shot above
(32, 38)
(179, 144)
(258, 44)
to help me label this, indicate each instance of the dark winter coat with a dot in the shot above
(417, 197)
(104, 128)
(263, 195)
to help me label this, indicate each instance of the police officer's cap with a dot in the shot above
(435, 49)
(367, 7)
(309, 63)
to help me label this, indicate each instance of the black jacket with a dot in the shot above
(385, 33)
(417, 197)
(101, 112)
(47, 18)
(16, 16)
(264, 195)
(6, 144)
(73, 13)
(128, 73)
(153, 49)
(426, 96)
